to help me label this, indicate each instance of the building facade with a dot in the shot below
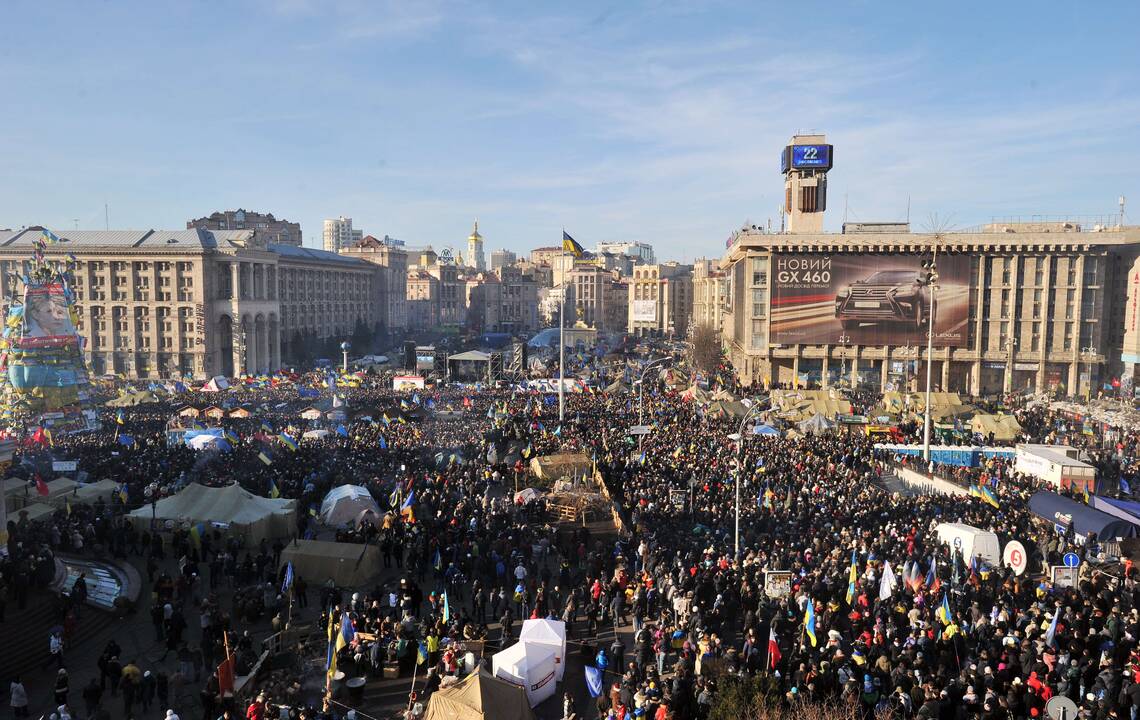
(595, 293)
(268, 228)
(452, 295)
(640, 253)
(339, 234)
(660, 300)
(501, 258)
(195, 303)
(423, 300)
(709, 293)
(1015, 306)
(391, 262)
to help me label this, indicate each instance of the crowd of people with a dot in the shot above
(874, 612)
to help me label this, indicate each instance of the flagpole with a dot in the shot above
(562, 341)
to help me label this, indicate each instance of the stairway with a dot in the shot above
(25, 632)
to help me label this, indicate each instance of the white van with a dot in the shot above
(971, 541)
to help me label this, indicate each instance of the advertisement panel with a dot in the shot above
(645, 311)
(867, 299)
(407, 382)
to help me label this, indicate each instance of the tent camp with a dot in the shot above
(216, 384)
(727, 409)
(346, 564)
(815, 425)
(240, 512)
(214, 412)
(696, 394)
(551, 634)
(616, 387)
(1005, 428)
(562, 465)
(347, 504)
(479, 696)
(131, 399)
(1060, 510)
(89, 493)
(530, 666)
(33, 512)
(311, 413)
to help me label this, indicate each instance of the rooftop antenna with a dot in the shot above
(106, 216)
(908, 209)
(1121, 202)
(844, 208)
(76, 221)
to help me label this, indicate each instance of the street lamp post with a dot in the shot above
(843, 340)
(930, 279)
(740, 475)
(641, 396)
(1089, 354)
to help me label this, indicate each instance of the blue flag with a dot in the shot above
(383, 443)
(446, 608)
(288, 583)
(593, 680)
(126, 440)
(342, 430)
(1051, 633)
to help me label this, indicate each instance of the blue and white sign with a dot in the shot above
(1071, 560)
(811, 156)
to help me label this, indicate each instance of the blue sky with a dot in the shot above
(653, 121)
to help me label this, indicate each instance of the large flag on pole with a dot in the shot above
(773, 648)
(887, 584)
(852, 576)
(809, 622)
(571, 245)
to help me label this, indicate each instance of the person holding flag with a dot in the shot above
(852, 578)
(809, 622)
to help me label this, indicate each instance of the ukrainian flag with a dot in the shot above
(851, 578)
(422, 654)
(571, 245)
(264, 458)
(988, 496)
(273, 491)
(975, 491)
(50, 237)
(809, 622)
(943, 611)
(119, 418)
(288, 441)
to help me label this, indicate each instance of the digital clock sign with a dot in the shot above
(811, 156)
(806, 156)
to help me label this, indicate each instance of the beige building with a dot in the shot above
(423, 300)
(392, 282)
(660, 299)
(338, 234)
(594, 295)
(452, 295)
(710, 287)
(196, 303)
(269, 228)
(1016, 306)
(506, 301)
(475, 257)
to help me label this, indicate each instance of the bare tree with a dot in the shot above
(705, 353)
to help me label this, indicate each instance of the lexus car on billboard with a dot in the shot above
(860, 299)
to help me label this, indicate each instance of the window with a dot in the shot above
(1070, 303)
(1068, 342)
(759, 302)
(1005, 271)
(759, 337)
(1092, 265)
(1005, 304)
(1072, 271)
(759, 271)
(1039, 273)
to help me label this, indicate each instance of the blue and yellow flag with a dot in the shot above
(809, 622)
(446, 608)
(989, 497)
(120, 418)
(943, 613)
(288, 441)
(273, 491)
(571, 245)
(851, 578)
(264, 458)
(421, 654)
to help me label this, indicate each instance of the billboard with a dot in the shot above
(645, 311)
(867, 299)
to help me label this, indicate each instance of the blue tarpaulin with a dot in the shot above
(1061, 510)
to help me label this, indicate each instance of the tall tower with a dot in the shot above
(338, 233)
(804, 163)
(475, 249)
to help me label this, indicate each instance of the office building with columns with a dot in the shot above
(1011, 306)
(197, 303)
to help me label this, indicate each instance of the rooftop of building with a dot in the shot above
(308, 253)
(193, 239)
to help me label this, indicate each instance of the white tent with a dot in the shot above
(238, 511)
(527, 494)
(551, 634)
(201, 442)
(216, 384)
(346, 504)
(316, 434)
(530, 666)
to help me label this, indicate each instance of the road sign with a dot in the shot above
(1060, 707)
(1014, 557)
(1071, 560)
(1063, 577)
